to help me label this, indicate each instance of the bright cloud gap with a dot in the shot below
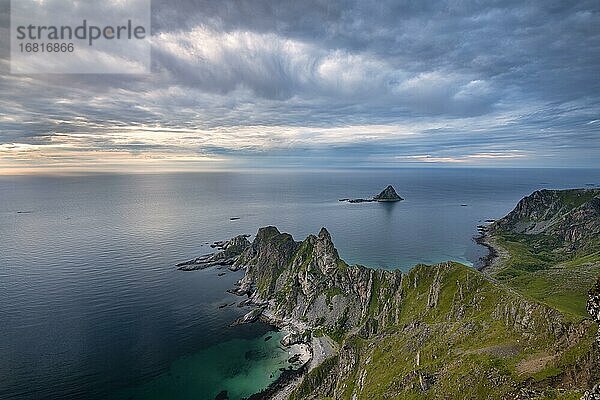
(290, 83)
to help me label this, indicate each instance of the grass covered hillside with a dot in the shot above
(458, 335)
(519, 330)
(550, 247)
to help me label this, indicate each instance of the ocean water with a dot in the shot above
(239, 366)
(92, 307)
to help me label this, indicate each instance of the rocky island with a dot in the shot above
(520, 329)
(387, 195)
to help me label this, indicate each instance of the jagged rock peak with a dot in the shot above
(267, 232)
(325, 254)
(388, 194)
(237, 244)
(324, 234)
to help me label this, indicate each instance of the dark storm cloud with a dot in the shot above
(468, 80)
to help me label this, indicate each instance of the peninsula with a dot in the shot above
(519, 329)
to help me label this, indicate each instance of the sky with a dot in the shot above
(322, 84)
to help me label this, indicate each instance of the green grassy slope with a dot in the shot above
(554, 262)
(518, 331)
(539, 268)
(459, 336)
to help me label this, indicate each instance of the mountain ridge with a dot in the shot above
(573, 215)
(548, 247)
(359, 307)
(440, 331)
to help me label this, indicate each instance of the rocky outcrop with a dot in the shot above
(265, 259)
(228, 254)
(308, 282)
(422, 324)
(249, 317)
(593, 305)
(441, 331)
(593, 394)
(387, 195)
(572, 216)
(580, 224)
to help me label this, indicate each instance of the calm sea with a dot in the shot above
(91, 305)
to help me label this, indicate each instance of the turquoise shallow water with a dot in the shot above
(239, 366)
(92, 305)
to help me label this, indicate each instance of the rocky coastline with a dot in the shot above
(346, 319)
(295, 340)
(228, 252)
(282, 384)
(496, 253)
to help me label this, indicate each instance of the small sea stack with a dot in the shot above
(388, 194)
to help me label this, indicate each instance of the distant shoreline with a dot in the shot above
(489, 259)
(496, 253)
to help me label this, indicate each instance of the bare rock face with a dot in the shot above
(593, 394)
(293, 338)
(307, 281)
(573, 216)
(265, 259)
(581, 223)
(388, 194)
(533, 211)
(593, 305)
(307, 287)
(249, 317)
(228, 254)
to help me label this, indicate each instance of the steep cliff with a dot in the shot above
(519, 331)
(309, 282)
(572, 217)
(457, 335)
(593, 305)
(438, 331)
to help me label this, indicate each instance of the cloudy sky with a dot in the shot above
(366, 83)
